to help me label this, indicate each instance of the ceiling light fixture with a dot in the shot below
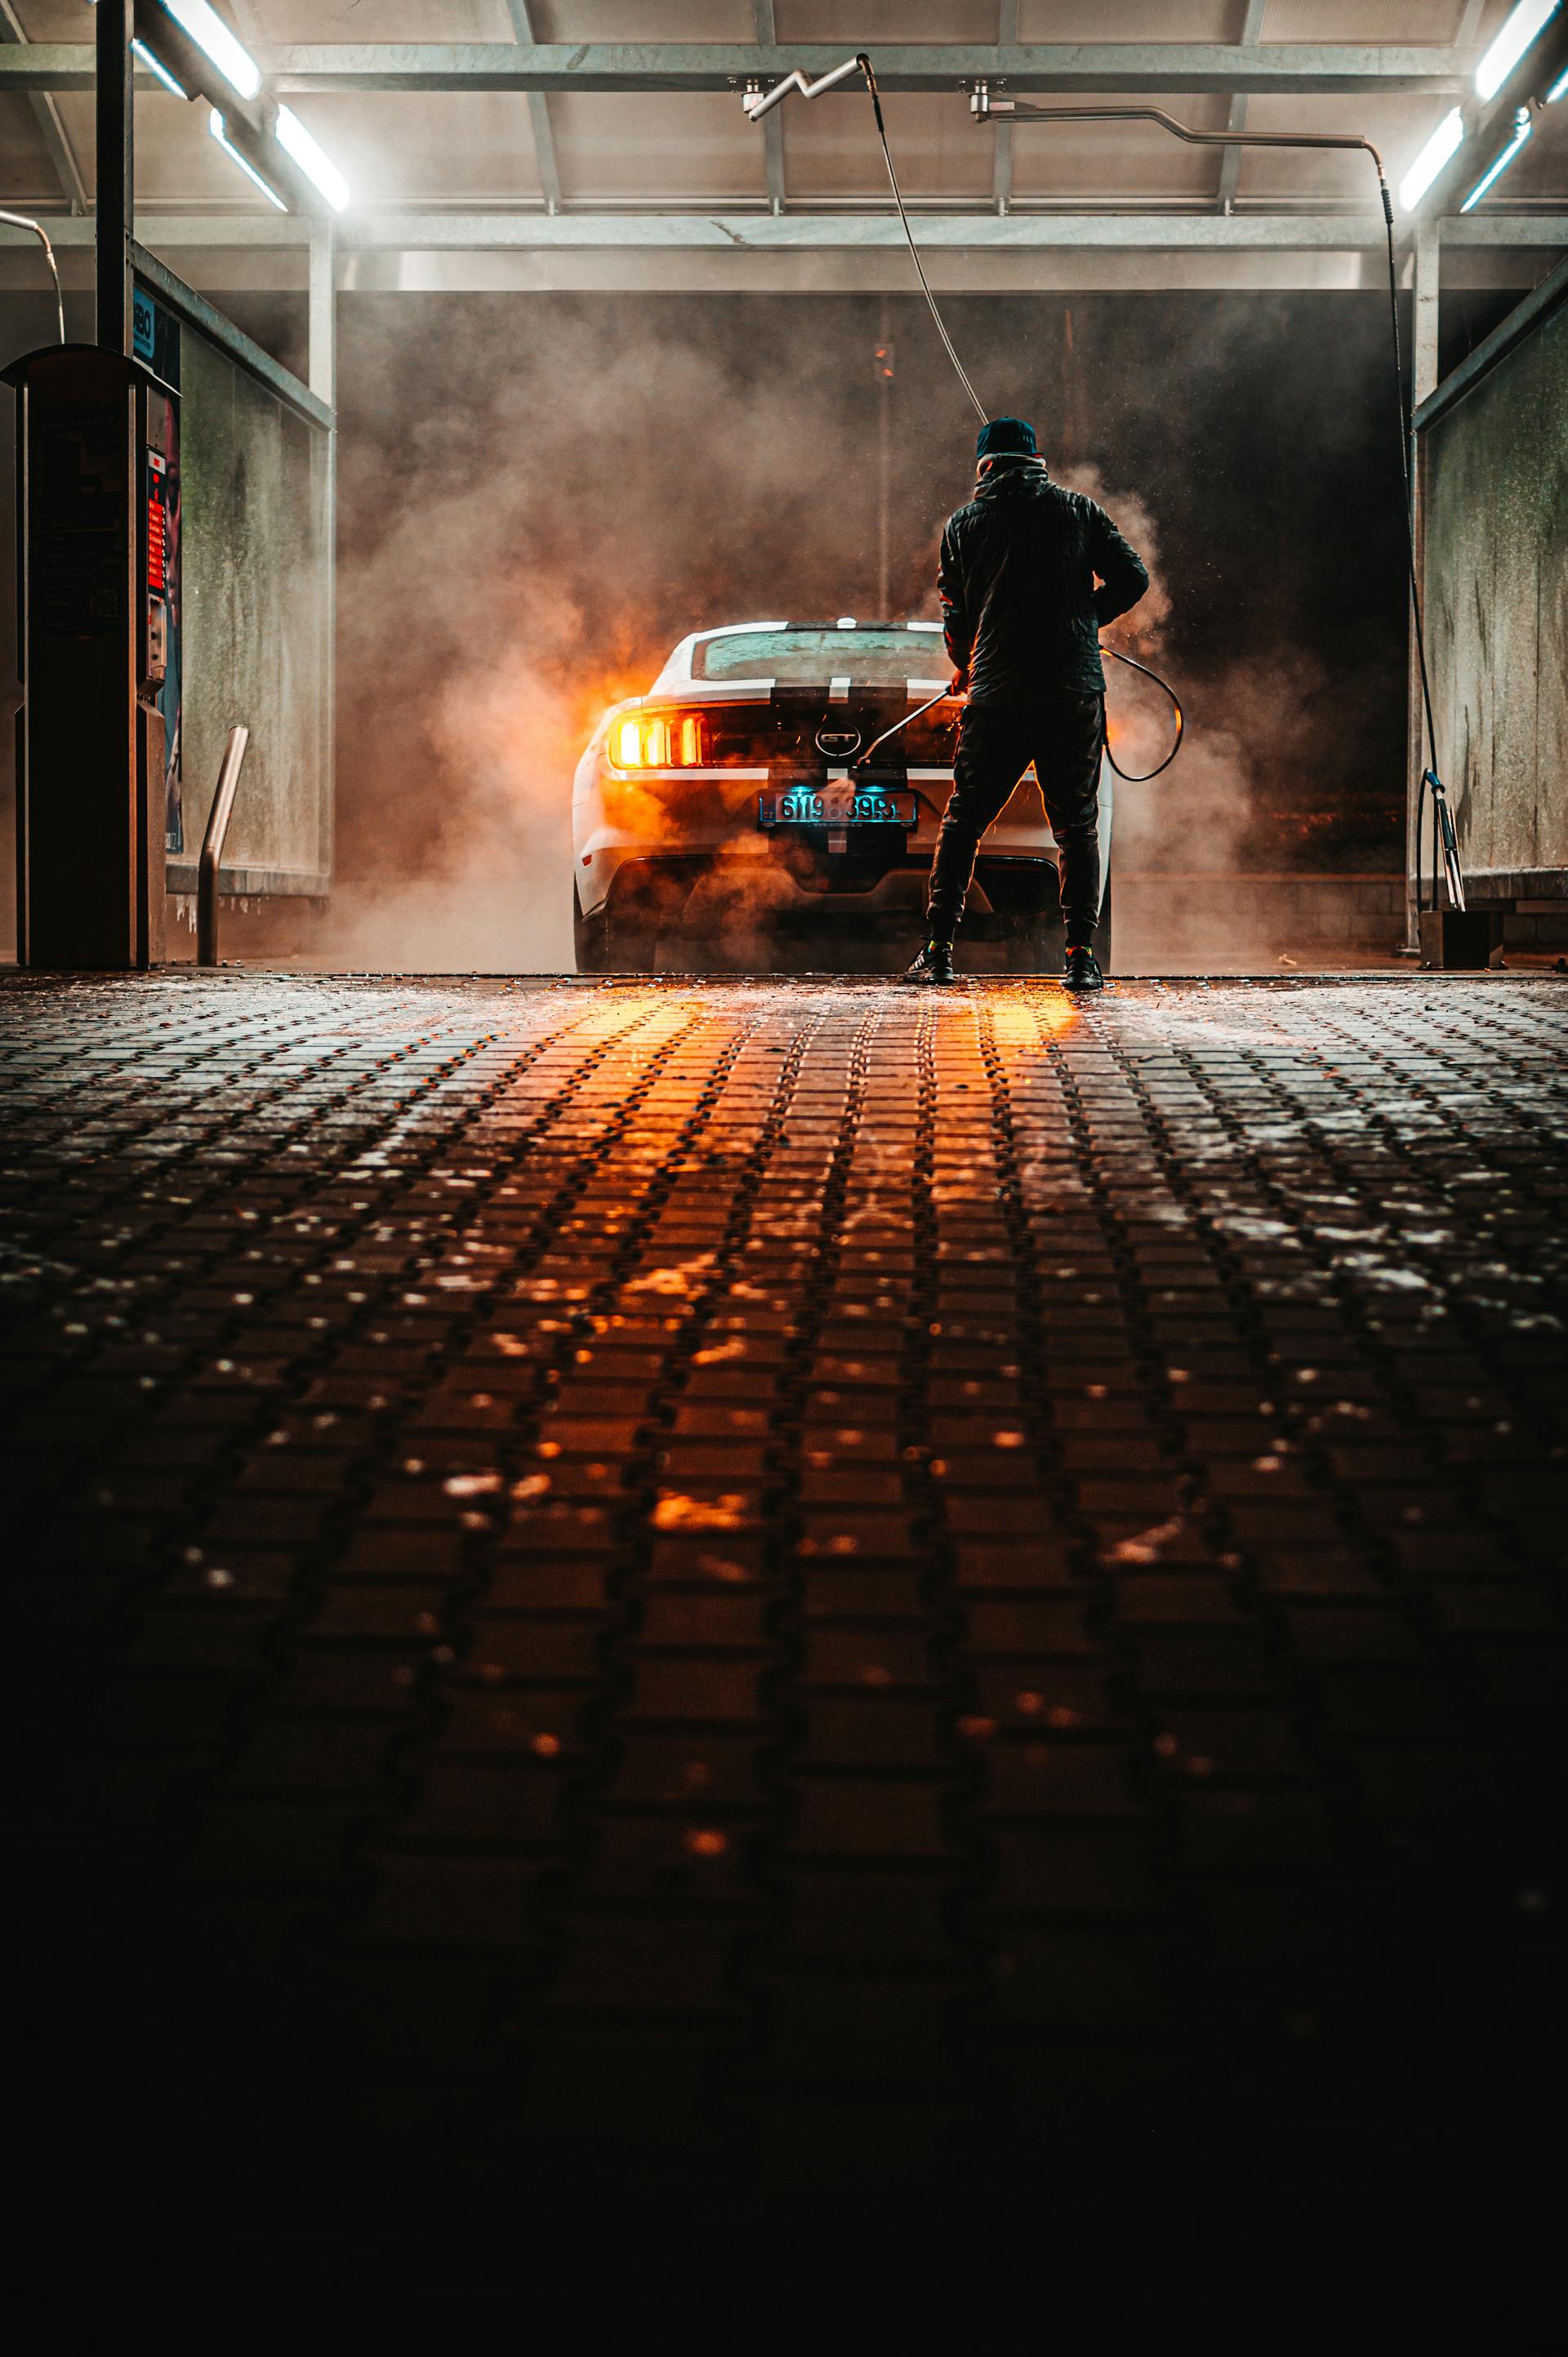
(317, 167)
(1499, 163)
(214, 39)
(1444, 142)
(156, 67)
(1531, 18)
(220, 130)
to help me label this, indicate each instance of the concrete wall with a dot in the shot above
(1205, 923)
(257, 617)
(1496, 603)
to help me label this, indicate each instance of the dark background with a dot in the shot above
(628, 469)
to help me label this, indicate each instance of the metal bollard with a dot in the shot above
(212, 846)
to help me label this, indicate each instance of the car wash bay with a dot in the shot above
(720, 1652)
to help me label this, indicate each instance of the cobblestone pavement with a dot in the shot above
(672, 1638)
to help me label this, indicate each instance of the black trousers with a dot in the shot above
(1062, 735)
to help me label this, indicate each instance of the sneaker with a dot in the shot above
(932, 962)
(1083, 970)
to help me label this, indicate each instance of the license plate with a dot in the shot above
(835, 806)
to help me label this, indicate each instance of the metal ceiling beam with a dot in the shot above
(761, 232)
(1152, 68)
(975, 232)
(47, 115)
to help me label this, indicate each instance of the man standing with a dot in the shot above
(1022, 616)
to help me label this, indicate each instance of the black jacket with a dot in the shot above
(1020, 609)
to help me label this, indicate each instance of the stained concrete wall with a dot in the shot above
(258, 618)
(1496, 603)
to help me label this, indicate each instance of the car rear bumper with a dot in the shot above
(699, 894)
(663, 836)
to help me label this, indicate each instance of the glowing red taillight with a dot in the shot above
(660, 740)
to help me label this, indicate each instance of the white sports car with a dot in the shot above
(719, 815)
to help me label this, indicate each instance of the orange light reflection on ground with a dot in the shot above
(1017, 1020)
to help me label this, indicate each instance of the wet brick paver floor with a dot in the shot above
(666, 1640)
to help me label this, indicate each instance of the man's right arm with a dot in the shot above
(958, 629)
(1121, 570)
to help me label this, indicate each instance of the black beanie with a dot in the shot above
(1006, 437)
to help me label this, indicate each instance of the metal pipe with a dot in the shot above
(984, 108)
(20, 221)
(758, 107)
(212, 846)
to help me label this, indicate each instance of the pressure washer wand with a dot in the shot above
(941, 697)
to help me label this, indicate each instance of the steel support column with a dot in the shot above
(1230, 169)
(114, 176)
(1425, 267)
(321, 370)
(772, 124)
(321, 329)
(537, 116)
(1002, 180)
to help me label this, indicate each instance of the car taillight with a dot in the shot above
(659, 741)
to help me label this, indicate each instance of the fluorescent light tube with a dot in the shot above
(295, 141)
(220, 130)
(1442, 144)
(156, 67)
(1558, 87)
(214, 39)
(1499, 164)
(1517, 32)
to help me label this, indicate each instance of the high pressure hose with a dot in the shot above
(1142, 777)
(864, 62)
(1131, 777)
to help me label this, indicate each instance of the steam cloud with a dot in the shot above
(564, 536)
(524, 546)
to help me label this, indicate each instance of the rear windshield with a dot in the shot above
(811, 658)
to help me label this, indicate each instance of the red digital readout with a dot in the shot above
(157, 543)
